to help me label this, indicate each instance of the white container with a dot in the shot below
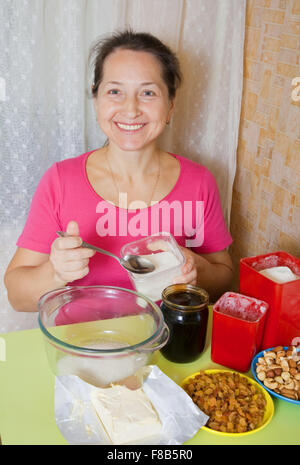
(163, 251)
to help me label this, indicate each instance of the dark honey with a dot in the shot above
(185, 310)
(185, 298)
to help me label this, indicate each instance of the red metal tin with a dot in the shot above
(283, 319)
(238, 323)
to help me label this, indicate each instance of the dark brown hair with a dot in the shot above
(137, 41)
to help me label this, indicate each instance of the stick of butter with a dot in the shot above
(126, 415)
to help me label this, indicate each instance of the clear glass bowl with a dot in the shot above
(163, 251)
(103, 334)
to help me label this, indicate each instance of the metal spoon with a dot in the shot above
(133, 263)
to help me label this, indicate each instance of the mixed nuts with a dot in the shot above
(279, 370)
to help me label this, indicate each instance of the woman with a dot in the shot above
(128, 189)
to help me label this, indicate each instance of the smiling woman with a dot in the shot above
(136, 77)
(132, 111)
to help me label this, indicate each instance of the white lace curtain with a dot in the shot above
(46, 114)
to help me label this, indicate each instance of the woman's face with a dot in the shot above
(132, 103)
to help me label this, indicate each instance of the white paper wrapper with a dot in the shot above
(79, 423)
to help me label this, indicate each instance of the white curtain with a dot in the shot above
(46, 114)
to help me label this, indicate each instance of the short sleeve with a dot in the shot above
(216, 236)
(43, 218)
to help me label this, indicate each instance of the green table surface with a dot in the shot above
(27, 397)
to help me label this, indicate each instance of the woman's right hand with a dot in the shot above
(70, 261)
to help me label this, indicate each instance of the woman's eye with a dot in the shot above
(148, 93)
(113, 91)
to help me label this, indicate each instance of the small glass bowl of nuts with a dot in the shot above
(278, 371)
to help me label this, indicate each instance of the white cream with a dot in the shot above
(167, 266)
(279, 274)
(162, 261)
(126, 415)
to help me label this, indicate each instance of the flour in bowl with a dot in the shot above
(102, 371)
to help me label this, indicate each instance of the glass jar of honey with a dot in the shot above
(185, 310)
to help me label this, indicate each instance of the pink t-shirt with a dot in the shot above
(191, 212)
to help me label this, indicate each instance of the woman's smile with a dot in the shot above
(132, 128)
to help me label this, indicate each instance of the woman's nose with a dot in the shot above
(131, 107)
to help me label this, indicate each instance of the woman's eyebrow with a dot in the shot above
(148, 84)
(118, 83)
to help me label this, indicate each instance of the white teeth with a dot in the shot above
(131, 127)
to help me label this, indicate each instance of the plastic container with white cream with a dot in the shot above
(162, 250)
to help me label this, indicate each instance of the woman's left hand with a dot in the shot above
(189, 270)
